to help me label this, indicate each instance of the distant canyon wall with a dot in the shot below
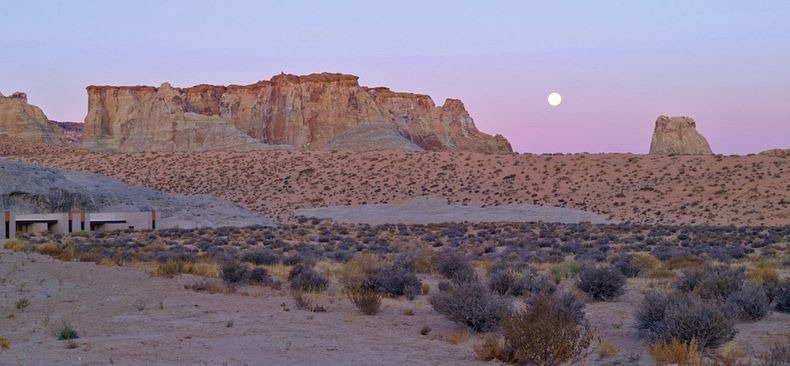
(303, 112)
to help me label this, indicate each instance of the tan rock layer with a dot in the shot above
(26, 121)
(303, 111)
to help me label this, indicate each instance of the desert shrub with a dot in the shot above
(366, 300)
(544, 334)
(601, 283)
(357, 272)
(750, 303)
(260, 257)
(779, 355)
(492, 347)
(626, 267)
(712, 283)
(781, 296)
(305, 278)
(172, 268)
(398, 280)
(663, 317)
(507, 282)
(677, 352)
(646, 263)
(258, 275)
(15, 245)
(567, 269)
(50, 249)
(234, 272)
(455, 267)
(470, 304)
(303, 302)
(67, 332)
(4, 343)
(564, 301)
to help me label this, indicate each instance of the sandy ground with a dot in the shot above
(720, 190)
(183, 327)
(191, 328)
(437, 210)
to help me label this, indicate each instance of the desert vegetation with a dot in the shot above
(518, 291)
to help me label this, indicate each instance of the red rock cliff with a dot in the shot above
(301, 111)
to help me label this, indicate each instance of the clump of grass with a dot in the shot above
(303, 302)
(22, 303)
(67, 332)
(457, 337)
(207, 286)
(491, 347)
(606, 349)
(677, 352)
(15, 245)
(566, 269)
(50, 249)
(175, 267)
(4, 343)
(762, 273)
(366, 300)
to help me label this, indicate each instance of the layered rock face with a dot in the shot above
(678, 135)
(306, 112)
(26, 121)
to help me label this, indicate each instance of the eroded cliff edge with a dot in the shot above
(304, 112)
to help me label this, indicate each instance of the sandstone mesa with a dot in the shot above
(304, 112)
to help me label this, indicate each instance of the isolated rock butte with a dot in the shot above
(26, 121)
(678, 135)
(306, 112)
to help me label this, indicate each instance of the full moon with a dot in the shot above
(555, 99)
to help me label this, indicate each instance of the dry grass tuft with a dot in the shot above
(731, 354)
(4, 343)
(278, 270)
(358, 270)
(763, 272)
(15, 245)
(50, 249)
(491, 347)
(172, 268)
(457, 337)
(677, 352)
(606, 349)
(207, 286)
(367, 301)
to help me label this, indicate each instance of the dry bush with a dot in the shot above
(779, 355)
(606, 349)
(646, 263)
(304, 302)
(763, 273)
(359, 269)
(234, 272)
(685, 353)
(176, 267)
(491, 347)
(603, 283)
(50, 249)
(470, 304)
(457, 337)
(207, 286)
(731, 355)
(545, 334)
(304, 278)
(366, 300)
(662, 317)
(15, 245)
(750, 303)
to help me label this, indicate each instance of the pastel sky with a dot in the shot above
(617, 64)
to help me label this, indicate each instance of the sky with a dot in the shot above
(617, 64)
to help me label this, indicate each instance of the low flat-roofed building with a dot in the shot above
(70, 222)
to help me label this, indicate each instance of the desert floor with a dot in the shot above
(125, 316)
